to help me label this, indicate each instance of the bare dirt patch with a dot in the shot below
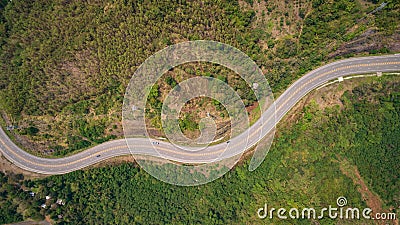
(8, 168)
(372, 200)
(369, 40)
(281, 18)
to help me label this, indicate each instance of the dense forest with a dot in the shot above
(65, 64)
(304, 168)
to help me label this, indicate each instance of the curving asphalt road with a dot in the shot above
(238, 144)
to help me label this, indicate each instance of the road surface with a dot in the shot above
(238, 144)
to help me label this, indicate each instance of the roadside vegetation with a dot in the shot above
(200, 107)
(312, 162)
(66, 64)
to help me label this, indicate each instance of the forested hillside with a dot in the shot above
(65, 64)
(306, 167)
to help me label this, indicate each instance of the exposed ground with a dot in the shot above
(8, 168)
(372, 200)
